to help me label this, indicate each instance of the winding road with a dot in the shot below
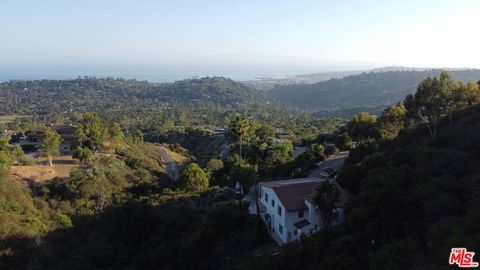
(171, 167)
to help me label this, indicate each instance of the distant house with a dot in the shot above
(34, 136)
(288, 211)
(289, 138)
(67, 133)
(279, 130)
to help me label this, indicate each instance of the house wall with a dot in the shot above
(288, 218)
(291, 217)
(276, 219)
(316, 219)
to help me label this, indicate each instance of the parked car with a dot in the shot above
(328, 173)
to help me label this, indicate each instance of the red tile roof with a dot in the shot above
(290, 138)
(293, 192)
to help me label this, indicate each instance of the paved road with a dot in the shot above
(298, 151)
(170, 164)
(334, 162)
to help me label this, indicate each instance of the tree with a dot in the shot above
(9, 153)
(437, 97)
(194, 178)
(318, 150)
(392, 120)
(116, 133)
(63, 221)
(264, 133)
(343, 141)
(92, 188)
(432, 101)
(91, 131)
(214, 165)
(331, 149)
(241, 171)
(239, 129)
(325, 197)
(5, 160)
(50, 144)
(362, 126)
(83, 154)
(465, 94)
(278, 154)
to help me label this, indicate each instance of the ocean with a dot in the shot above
(156, 74)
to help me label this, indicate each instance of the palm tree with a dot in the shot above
(325, 197)
(239, 129)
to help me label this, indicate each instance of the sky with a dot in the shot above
(318, 35)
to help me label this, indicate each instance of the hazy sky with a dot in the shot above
(430, 33)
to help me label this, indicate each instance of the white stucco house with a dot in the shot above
(287, 209)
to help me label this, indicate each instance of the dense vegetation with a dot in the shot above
(416, 193)
(414, 172)
(363, 91)
(92, 94)
(166, 112)
(129, 102)
(121, 205)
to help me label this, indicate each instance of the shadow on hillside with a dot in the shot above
(140, 236)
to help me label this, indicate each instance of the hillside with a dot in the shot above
(47, 97)
(265, 84)
(371, 89)
(416, 198)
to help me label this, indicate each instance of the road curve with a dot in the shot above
(171, 167)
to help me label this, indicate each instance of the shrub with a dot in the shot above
(331, 150)
(63, 221)
(37, 225)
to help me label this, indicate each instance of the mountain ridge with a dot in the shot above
(370, 89)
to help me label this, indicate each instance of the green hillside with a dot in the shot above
(366, 90)
(97, 94)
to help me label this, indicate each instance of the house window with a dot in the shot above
(279, 210)
(295, 232)
(280, 229)
(300, 214)
(266, 197)
(273, 203)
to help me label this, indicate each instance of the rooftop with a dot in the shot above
(302, 223)
(293, 192)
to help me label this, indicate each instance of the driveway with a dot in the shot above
(334, 162)
(298, 151)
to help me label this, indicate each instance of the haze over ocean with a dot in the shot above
(157, 73)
